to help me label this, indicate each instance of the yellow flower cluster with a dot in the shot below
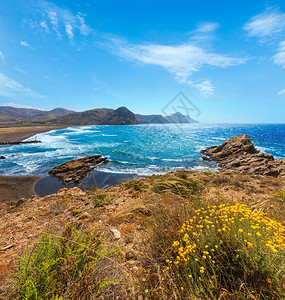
(238, 220)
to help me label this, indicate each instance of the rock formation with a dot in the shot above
(239, 155)
(76, 170)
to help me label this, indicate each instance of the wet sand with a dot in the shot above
(18, 134)
(96, 179)
(13, 189)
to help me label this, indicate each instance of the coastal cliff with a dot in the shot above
(239, 155)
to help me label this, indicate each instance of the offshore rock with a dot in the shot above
(239, 155)
(76, 170)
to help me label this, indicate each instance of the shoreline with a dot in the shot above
(18, 134)
(13, 188)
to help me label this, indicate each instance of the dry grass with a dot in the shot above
(148, 217)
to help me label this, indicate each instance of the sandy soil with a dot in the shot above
(17, 134)
(15, 188)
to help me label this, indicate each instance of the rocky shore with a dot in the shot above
(18, 143)
(239, 155)
(76, 170)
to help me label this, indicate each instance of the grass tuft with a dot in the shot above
(61, 267)
(137, 185)
(178, 186)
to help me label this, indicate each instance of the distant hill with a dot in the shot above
(180, 118)
(98, 116)
(13, 114)
(88, 117)
(159, 119)
(120, 116)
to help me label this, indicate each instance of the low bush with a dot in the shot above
(137, 185)
(61, 267)
(229, 251)
(101, 199)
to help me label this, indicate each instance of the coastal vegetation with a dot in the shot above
(183, 235)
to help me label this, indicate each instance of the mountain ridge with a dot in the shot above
(97, 116)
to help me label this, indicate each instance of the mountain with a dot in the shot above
(159, 119)
(180, 118)
(152, 119)
(120, 116)
(13, 114)
(88, 117)
(98, 116)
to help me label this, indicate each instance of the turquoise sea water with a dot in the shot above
(140, 149)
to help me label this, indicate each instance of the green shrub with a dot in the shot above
(137, 185)
(101, 199)
(60, 267)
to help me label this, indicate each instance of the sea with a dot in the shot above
(139, 150)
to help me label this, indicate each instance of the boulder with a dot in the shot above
(76, 170)
(239, 155)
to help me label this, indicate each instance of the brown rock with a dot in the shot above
(76, 170)
(239, 155)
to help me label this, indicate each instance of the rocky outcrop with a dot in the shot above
(239, 155)
(76, 170)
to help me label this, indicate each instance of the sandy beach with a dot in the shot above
(15, 188)
(17, 134)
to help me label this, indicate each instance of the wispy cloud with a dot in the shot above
(50, 18)
(2, 57)
(266, 25)
(9, 87)
(206, 27)
(204, 87)
(269, 27)
(25, 44)
(279, 58)
(180, 60)
(282, 92)
(16, 105)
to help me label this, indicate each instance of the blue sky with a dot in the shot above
(227, 57)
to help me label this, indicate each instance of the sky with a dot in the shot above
(226, 57)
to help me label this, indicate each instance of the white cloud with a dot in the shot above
(69, 30)
(180, 60)
(205, 87)
(266, 25)
(279, 58)
(269, 27)
(44, 26)
(50, 18)
(20, 70)
(281, 92)
(2, 57)
(25, 44)
(207, 27)
(18, 105)
(9, 87)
